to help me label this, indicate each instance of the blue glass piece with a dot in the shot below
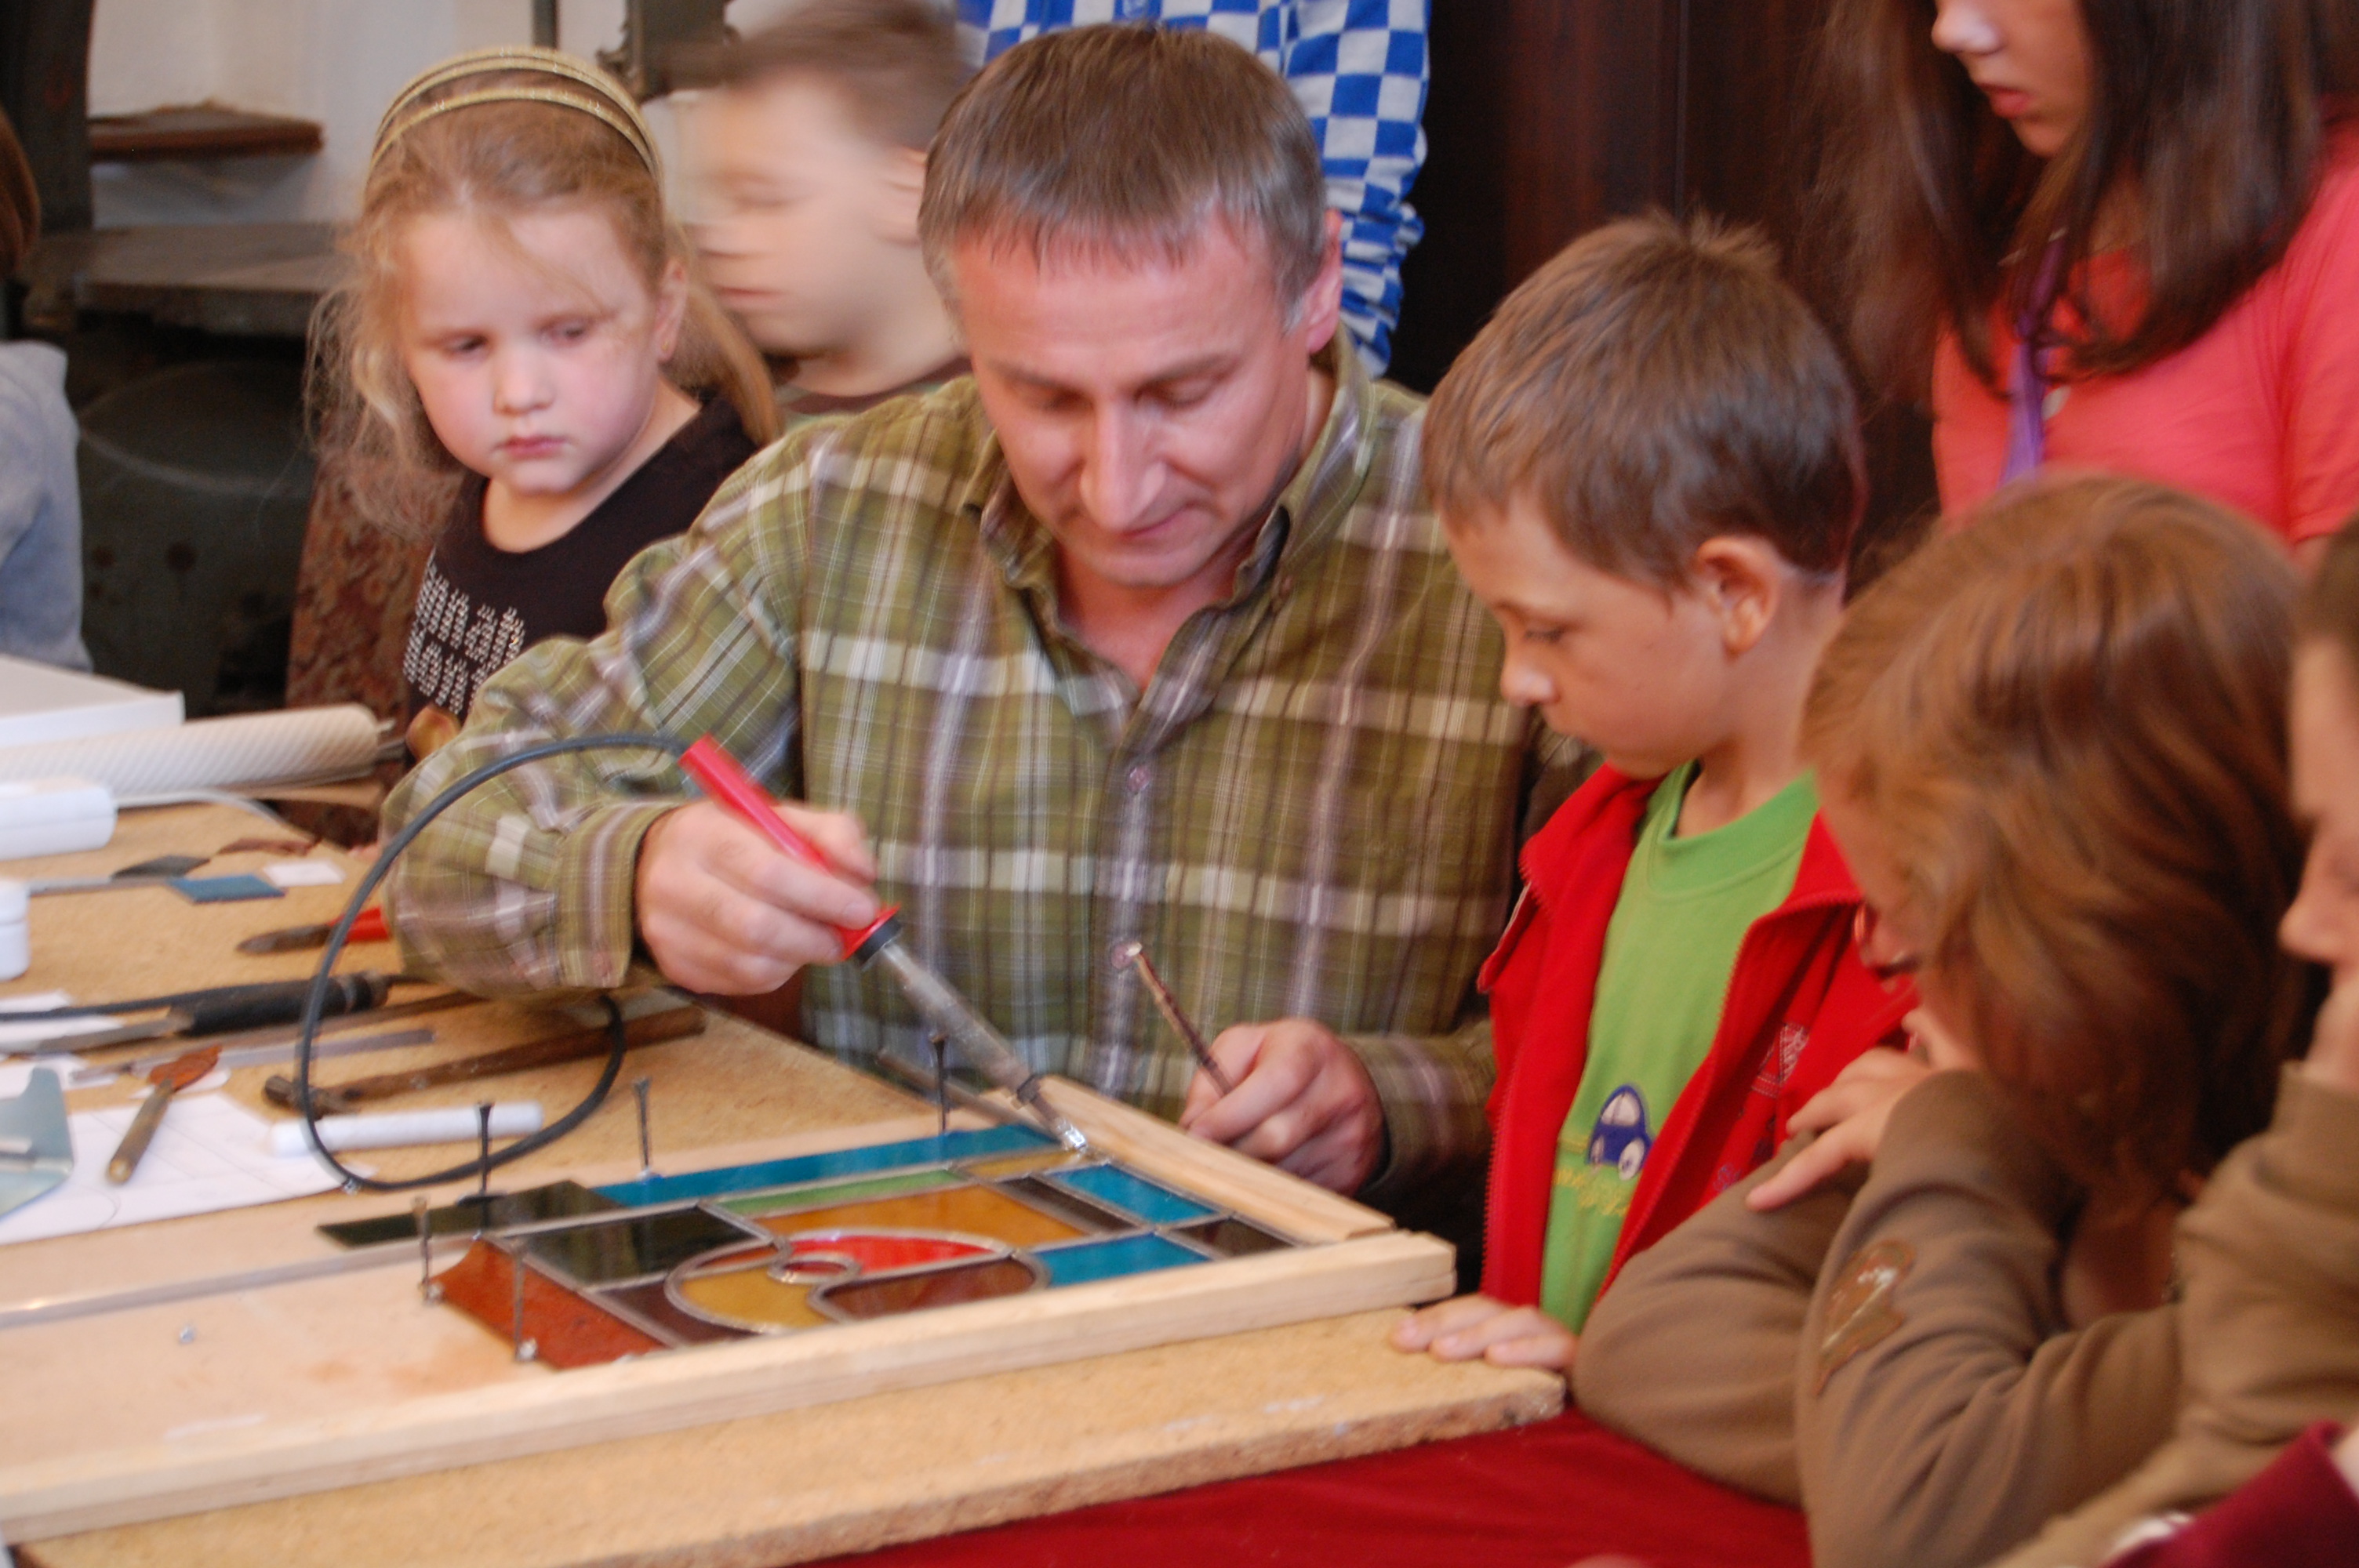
(962, 1145)
(1155, 1204)
(1085, 1260)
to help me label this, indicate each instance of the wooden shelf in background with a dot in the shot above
(183, 132)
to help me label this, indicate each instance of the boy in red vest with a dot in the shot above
(1649, 469)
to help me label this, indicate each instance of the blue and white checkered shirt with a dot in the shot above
(1358, 68)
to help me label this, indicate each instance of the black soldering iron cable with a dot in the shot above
(315, 1000)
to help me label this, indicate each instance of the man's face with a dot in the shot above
(1149, 407)
(804, 222)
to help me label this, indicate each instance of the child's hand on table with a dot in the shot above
(1850, 1113)
(1476, 1326)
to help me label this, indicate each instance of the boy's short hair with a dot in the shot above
(1128, 138)
(897, 62)
(1655, 386)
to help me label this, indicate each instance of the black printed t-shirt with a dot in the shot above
(480, 606)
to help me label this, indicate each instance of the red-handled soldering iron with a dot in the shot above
(949, 1013)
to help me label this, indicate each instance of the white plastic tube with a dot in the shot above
(298, 746)
(396, 1128)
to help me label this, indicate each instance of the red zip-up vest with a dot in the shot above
(1800, 1006)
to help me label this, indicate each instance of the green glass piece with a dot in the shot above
(830, 1193)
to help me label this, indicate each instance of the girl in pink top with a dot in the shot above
(2107, 234)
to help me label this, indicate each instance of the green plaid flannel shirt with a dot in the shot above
(1312, 810)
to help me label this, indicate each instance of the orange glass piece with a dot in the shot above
(568, 1330)
(969, 1211)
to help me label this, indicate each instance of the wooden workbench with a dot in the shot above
(777, 1488)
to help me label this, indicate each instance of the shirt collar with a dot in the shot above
(1310, 509)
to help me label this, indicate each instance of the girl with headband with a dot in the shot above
(524, 361)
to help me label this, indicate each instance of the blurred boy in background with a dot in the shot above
(808, 156)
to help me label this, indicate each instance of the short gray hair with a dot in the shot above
(1126, 137)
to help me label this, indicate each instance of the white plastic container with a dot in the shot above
(54, 816)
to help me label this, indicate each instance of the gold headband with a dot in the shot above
(603, 100)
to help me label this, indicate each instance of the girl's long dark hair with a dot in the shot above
(2207, 122)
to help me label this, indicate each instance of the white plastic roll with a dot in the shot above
(396, 1128)
(303, 745)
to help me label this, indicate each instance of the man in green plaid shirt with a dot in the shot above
(1144, 635)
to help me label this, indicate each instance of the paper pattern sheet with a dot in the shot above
(211, 1153)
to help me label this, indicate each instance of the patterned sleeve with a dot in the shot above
(1359, 70)
(1433, 1088)
(525, 884)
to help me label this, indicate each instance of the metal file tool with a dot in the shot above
(168, 1080)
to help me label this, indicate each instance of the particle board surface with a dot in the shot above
(810, 1483)
(166, 1428)
(757, 1483)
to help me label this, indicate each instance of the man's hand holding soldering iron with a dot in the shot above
(726, 912)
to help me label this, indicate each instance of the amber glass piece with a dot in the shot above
(749, 1298)
(969, 1211)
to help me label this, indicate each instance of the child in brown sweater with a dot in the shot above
(2052, 747)
(2270, 1257)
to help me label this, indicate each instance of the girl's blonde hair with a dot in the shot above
(532, 133)
(2067, 721)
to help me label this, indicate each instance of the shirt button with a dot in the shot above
(1139, 777)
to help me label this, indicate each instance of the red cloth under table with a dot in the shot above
(1546, 1495)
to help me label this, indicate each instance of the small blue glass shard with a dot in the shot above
(1136, 1194)
(962, 1145)
(1085, 1260)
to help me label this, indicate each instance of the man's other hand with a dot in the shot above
(726, 911)
(1302, 1102)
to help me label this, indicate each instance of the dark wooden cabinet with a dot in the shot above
(1549, 118)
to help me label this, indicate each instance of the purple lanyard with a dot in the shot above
(2026, 423)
